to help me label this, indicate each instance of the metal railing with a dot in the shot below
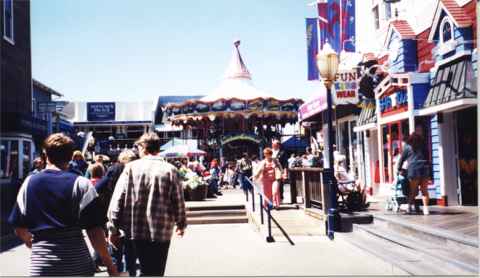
(262, 199)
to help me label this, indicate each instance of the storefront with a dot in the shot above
(398, 99)
(452, 107)
(367, 147)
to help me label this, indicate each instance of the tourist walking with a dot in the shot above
(269, 172)
(282, 160)
(52, 208)
(418, 169)
(146, 204)
(105, 188)
(215, 175)
(96, 173)
(38, 165)
(244, 168)
(78, 163)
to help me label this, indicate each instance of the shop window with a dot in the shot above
(8, 20)
(26, 157)
(376, 18)
(388, 10)
(9, 159)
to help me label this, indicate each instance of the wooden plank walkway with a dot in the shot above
(460, 221)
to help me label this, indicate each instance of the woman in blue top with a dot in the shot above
(418, 169)
(52, 208)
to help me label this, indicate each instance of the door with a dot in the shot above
(467, 156)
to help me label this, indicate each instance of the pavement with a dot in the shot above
(237, 250)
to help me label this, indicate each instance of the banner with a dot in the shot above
(337, 24)
(334, 21)
(348, 25)
(323, 22)
(345, 88)
(312, 48)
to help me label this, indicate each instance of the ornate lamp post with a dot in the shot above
(327, 63)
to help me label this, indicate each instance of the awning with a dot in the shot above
(453, 81)
(368, 115)
(178, 141)
(313, 106)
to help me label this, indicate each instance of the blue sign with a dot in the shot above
(100, 111)
(393, 102)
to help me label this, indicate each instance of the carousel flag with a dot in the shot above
(348, 25)
(312, 48)
(323, 22)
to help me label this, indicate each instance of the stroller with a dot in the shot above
(398, 193)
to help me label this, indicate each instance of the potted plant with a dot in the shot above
(196, 186)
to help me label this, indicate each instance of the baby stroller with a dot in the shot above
(398, 193)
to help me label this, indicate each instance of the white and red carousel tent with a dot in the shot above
(235, 96)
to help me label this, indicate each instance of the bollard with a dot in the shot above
(261, 209)
(332, 214)
(269, 237)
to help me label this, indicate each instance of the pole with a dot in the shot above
(332, 211)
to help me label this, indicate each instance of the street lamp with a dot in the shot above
(327, 63)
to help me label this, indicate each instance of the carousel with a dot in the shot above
(236, 117)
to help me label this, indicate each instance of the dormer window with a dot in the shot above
(446, 30)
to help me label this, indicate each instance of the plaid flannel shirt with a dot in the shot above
(148, 200)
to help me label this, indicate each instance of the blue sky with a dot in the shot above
(97, 50)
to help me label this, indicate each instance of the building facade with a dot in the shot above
(17, 124)
(426, 78)
(115, 125)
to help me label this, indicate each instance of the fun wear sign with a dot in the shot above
(345, 88)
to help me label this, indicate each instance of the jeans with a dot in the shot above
(213, 186)
(244, 184)
(127, 248)
(152, 256)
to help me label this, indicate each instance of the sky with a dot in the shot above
(126, 50)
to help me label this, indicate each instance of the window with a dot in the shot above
(376, 17)
(446, 30)
(388, 10)
(8, 20)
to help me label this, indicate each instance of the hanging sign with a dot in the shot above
(242, 136)
(345, 88)
(101, 111)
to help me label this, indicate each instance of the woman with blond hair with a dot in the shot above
(105, 188)
(270, 172)
(78, 164)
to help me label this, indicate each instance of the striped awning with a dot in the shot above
(368, 114)
(453, 81)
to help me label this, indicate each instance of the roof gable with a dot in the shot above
(456, 13)
(402, 28)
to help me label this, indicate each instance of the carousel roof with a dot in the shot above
(237, 83)
(235, 94)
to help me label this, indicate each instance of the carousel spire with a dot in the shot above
(237, 68)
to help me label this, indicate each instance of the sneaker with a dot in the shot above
(425, 211)
(219, 193)
(407, 210)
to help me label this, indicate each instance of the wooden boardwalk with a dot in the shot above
(458, 221)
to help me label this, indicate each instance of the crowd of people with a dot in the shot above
(129, 208)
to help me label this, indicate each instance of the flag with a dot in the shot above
(348, 25)
(333, 26)
(323, 22)
(337, 24)
(312, 47)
